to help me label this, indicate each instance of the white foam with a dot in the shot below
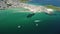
(36, 24)
(19, 26)
(37, 20)
(50, 9)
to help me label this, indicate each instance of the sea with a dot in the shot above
(14, 21)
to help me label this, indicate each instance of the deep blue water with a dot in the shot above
(46, 2)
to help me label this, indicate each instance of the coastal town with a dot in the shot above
(16, 3)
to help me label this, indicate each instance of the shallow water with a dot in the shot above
(10, 20)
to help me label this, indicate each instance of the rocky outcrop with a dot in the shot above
(3, 4)
(9, 4)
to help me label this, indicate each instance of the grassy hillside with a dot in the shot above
(24, 1)
(53, 7)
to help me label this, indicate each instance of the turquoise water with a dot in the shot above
(10, 20)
